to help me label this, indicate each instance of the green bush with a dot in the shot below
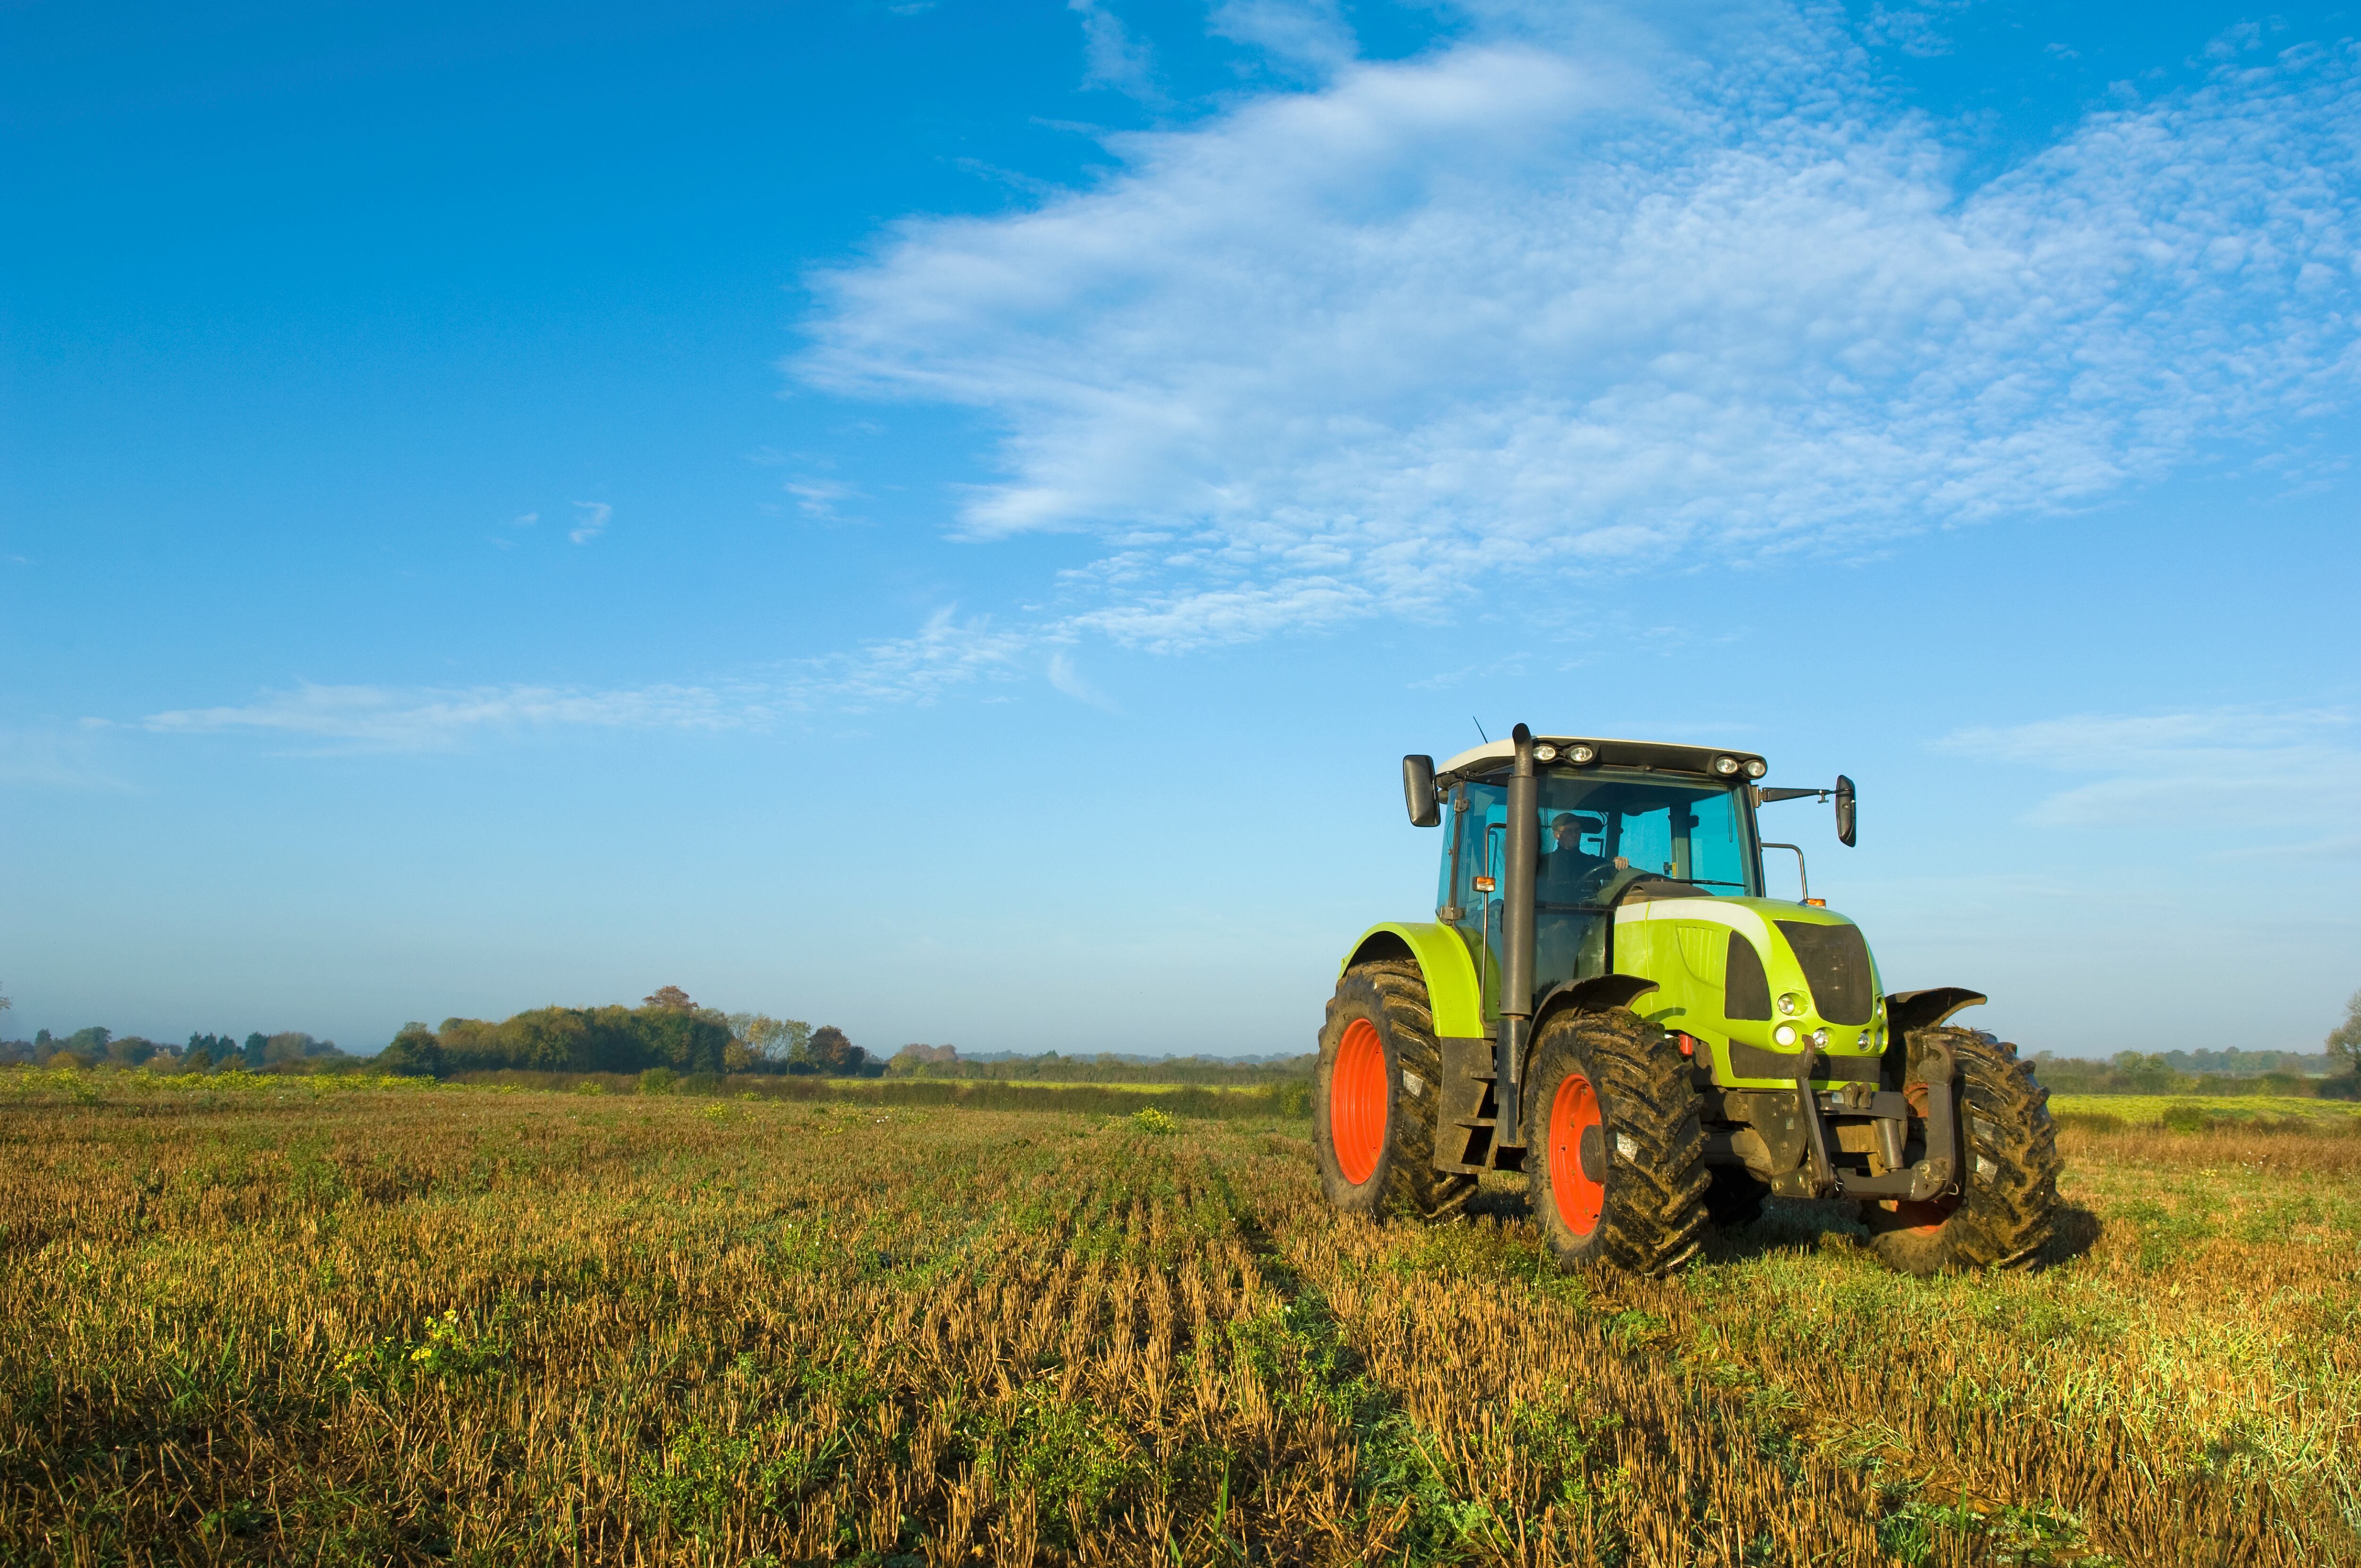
(2186, 1118)
(659, 1080)
(1292, 1101)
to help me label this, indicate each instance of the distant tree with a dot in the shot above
(768, 1044)
(288, 1045)
(670, 997)
(257, 1043)
(89, 1043)
(2344, 1040)
(831, 1052)
(197, 1057)
(130, 1050)
(41, 1037)
(414, 1053)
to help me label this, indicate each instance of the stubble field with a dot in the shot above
(281, 1323)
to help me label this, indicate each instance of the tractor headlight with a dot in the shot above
(1545, 753)
(1725, 765)
(1580, 753)
(1757, 768)
(1790, 1003)
(1783, 1035)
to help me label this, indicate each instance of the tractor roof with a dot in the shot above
(1661, 756)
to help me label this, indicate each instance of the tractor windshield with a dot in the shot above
(1601, 830)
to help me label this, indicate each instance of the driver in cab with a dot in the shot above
(1569, 874)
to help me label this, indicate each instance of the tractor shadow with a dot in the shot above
(1832, 1225)
(1794, 1225)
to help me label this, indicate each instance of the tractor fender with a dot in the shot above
(1599, 994)
(1441, 959)
(1596, 994)
(1908, 1009)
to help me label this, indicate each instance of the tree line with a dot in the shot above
(666, 1030)
(204, 1053)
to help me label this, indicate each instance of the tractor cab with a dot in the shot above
(1628, 823)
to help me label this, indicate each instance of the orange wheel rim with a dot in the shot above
(1574, 1112)
(1924, 1219)
(1356, 1101)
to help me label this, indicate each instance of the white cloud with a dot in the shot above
(817, 499)
(1309, 34)
(399, 718)
(1555, 302)
(593, 522)
(55, 758)
(1068, 678)
(2260, 773)
(1111, 56)
(945, 654)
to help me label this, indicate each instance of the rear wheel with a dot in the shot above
(1618, 1173)
(2002, 1216)
(1375, 1094)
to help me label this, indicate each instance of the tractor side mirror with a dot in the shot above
(1848, 811)
(1418, 791)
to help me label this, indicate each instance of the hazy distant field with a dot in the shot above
(2151, 1109)
(290, 1322)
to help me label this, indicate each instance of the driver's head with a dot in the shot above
(1568, 826)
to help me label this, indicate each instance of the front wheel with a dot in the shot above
(1374, 1096)
(2008, 1198)
(1619, 1170)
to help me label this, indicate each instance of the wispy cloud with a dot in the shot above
(2226, 775)
(1310, 35)
(410, 719)
(944, 654)
(1065, 675)
(1111, 56)
(817, 498)
(56, 758)
(1550, 301)
(592, 522)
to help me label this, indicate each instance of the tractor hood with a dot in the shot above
(1802, 972)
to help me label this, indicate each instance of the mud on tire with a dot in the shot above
(1386, 997)
(2009, 1198)
(1643, 1192)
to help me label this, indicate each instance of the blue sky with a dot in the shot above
(942, 518)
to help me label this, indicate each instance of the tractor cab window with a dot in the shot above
(1478, 820)
(1601, 831)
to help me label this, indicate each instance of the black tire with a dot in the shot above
(2009, 1200)
(1735, 1198)
(1390, 995)
(1644, 1178)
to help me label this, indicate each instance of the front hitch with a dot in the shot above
(1934, 1175)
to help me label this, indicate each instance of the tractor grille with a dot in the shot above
(1836, 966)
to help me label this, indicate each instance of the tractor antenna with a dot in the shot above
(1479, 728)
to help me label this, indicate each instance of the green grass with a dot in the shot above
(2149, 1110)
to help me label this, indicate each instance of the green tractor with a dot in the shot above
(1606, 1002)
